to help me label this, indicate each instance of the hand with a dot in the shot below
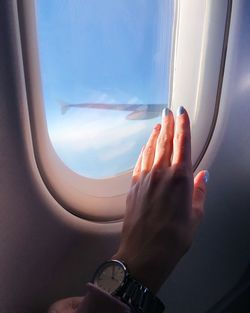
(164, 204)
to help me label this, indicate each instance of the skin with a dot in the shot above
(164, 204)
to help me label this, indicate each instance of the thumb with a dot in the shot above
(199, 195)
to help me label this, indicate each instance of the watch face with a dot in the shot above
(110, 276)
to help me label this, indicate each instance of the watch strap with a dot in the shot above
(139, 298)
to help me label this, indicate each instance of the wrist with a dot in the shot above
(143, 273)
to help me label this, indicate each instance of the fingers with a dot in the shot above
(68, 305)
(199, 195)
(147, 154)
(164, 146)
(149, 151)
(137, 168)
(182, 140)
(165, 140)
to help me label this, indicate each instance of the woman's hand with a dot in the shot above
(164, 204)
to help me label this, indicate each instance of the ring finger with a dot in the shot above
(164, 146)
(149, 151)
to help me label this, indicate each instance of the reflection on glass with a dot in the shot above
(105, 76)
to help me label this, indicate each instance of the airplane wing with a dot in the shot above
(138, 111)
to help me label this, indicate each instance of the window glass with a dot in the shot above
(105, 78)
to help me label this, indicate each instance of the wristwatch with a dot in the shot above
(114, 278)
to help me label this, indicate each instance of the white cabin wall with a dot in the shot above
(46, 253)
(221, 251)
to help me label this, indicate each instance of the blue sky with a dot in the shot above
(103, 52)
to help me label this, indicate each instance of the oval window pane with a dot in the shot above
(105, 77)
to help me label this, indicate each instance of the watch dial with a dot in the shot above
(110, 277)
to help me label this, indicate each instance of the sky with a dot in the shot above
(102, 52)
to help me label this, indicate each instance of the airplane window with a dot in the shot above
(100, 72)
(105, 68)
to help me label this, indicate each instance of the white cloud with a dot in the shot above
(78, 134)
(134, 100)
(114, 152)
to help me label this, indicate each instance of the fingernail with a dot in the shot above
(206, 176)
(165, 112)
(180, 110)
(157, 127)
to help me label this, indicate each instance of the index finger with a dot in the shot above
(182, 139)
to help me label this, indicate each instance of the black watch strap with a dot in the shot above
(139, 298)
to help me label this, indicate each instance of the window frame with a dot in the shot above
(104, 200)
(200, 94)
